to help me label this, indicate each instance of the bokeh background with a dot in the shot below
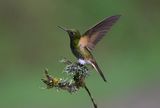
(129, 55)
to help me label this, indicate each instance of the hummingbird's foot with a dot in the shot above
(78, 63)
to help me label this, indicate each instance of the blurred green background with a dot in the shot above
(129, 55)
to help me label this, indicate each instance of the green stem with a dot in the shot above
(89, 93)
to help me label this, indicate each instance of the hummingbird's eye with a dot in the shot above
(72, 33)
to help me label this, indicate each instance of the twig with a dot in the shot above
(78, 74)
(89, 93)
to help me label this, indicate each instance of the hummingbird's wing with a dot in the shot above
(92, 36)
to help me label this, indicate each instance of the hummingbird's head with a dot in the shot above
(73, 33)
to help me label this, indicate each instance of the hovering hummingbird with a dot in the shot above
(82, 45)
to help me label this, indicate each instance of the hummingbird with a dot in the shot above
(83, 45)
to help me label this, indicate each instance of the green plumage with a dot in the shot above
(82, 45)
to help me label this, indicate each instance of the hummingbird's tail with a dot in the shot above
(96, 67)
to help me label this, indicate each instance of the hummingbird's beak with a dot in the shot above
(62, 28)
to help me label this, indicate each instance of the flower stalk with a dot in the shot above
(78, 73)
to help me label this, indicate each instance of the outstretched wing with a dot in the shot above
(92, 36)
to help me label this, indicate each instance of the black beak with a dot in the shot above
(62, 28)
